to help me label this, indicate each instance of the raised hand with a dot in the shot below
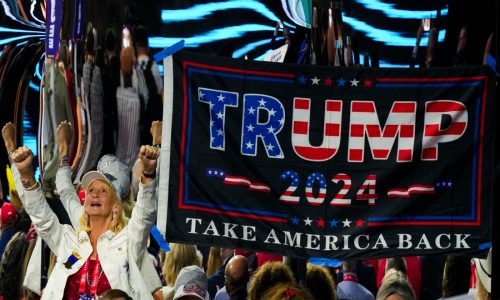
(156, 132)
(149, 157)
(64, 133)
(9, 136)
(23, 158)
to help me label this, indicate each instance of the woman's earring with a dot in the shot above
(113, 215)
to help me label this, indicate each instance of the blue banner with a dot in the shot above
(78, 23)
(52, 27)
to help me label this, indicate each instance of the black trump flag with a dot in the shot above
(330, 162)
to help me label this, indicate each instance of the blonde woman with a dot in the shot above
(180, 256)
(214, 261)
(104, 251)
(395, 286)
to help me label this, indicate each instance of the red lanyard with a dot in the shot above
(95, 277)
(350, 277)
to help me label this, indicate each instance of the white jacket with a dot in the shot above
(119, 254)
(71, 203)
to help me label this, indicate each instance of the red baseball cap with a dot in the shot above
(8, 213)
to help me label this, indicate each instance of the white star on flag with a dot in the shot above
(250, 128)
(272, 112)
(354, 82)
(270, 129)
(251, 110)
(270, 147)
(262, 102)
(307, 221)
(201, 94)
(219, 132)
(220, 115)
(315, 80)
(249, 145)
(220, 97)
(346, 223)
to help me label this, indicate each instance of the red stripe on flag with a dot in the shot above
(300, 127)
(332, 129)
(404, 107)
(406, 131)
(456, 128)
(378, 153)
(355, 155)
(357, 130)
(300, 103)
(405, 155)
(390, 130)
(311, 195)
(366, 196)
(373, 130)
(429, 153)
(444, 106)
(362, 106)
(315, 153)
(333, 106)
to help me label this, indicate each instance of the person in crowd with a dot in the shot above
(483, 275)
(251, 257)
(460, 58)
(180, 256)
(431, 266)
(11, 275)
(432, 45)
(395, 286)
(349, 287)
(236, 279)
(148, 83)
(267, 276)
(111, 82)
(191, 284)
(104, 251)
(456, 276)
(320, 283)
(365, 274)
(287, 291)
(397, 263)
(214, 261)
(128, 111)
(8, 218)
(93, 97)
(414, 273)
(487, 49)
(31, 237)
(116, 294)
(216, 281)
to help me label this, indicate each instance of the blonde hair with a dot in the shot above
(267, 276)
(214, 261)
(319, 281)
(481, 292)
(180, 256)
(395, 282)
(118, 222)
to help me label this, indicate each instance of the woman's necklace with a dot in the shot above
(88, 281)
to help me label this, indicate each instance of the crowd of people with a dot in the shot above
(98, 231)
